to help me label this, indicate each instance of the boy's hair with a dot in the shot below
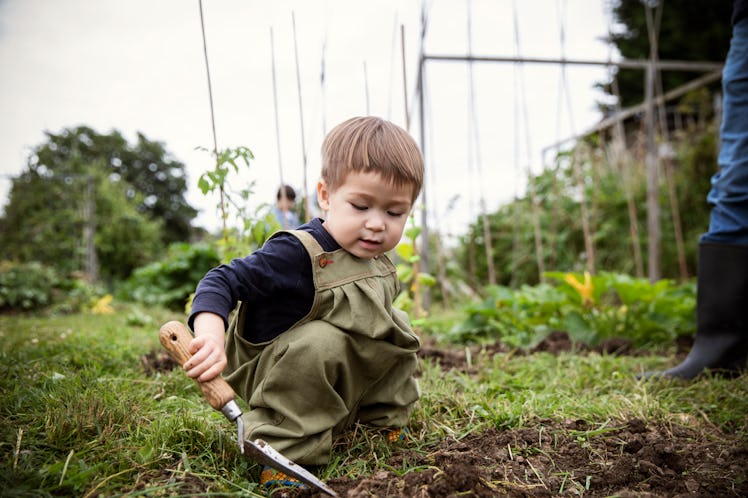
(371, 144)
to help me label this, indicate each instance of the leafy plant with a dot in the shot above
(170, 282)
(615, 188)
(253, 227)
(518, 318)
(408, 272)
(625, 306)
(590, 308)
(26, 286)
(79, 184)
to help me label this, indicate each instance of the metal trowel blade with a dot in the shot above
(262, 452)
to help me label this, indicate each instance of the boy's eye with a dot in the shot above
(396, 214)
(359, 207)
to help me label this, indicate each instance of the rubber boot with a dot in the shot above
(721, 341)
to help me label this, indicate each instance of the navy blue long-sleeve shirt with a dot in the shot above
(276, 282)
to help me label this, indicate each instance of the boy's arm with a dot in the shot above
(207, 348)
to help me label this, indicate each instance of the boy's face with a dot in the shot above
(365, 215)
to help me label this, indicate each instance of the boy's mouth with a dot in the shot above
(369, 243)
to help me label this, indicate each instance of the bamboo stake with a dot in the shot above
(618, 155)
(323, 93)
(587, 228)
(391, 73)
(555, 197)
(366, 90)
(424, 259)
(654, 235)
(277, 128)
(487, 238)
(422, 300)
(275, 107)
(667, 169)
(405, 77)
(539, 258)
(589, 245)
(301, 120)
(416, 284)
(222, 193)
(667, 164)
(514, 206)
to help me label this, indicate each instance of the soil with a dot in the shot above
(634, 458)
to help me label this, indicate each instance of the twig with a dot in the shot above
(101, 483)
(65, 467)
(706, 419)
(536, 473)
(18, 448)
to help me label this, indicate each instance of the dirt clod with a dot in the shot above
(157, 361)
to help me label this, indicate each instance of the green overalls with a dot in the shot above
(351, 358)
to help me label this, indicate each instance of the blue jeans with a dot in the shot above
(728, 196)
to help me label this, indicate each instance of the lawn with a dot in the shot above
(92, 407)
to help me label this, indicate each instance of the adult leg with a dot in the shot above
(721, 341)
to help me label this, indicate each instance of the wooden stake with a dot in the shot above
(277, 119)
(487, 237)
(301, 120)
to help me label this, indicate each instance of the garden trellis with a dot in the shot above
(418, 113)
(651, 68)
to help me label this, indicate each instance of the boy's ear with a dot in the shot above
(323, 195)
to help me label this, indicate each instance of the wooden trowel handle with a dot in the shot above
(176, 338)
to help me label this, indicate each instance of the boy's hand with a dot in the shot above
(207, 348)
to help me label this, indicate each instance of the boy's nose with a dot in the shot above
(375, 222)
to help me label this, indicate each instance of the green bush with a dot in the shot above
(170, 282)
(26, 286)
(589, 308)
(75, 295)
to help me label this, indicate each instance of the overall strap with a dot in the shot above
(333, 268)
(310, 243)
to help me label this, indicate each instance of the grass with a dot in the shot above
(79, 416)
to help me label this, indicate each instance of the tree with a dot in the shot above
(163, 182)
(47, 219)
(82, 187)
(125, 239)
(688, 30)
(145, 166)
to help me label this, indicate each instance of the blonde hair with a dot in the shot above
(371, 144)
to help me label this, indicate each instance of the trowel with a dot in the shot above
(175, 338)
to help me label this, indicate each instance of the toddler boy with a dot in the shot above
(316, 344)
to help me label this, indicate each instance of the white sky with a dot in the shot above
(139, 66)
